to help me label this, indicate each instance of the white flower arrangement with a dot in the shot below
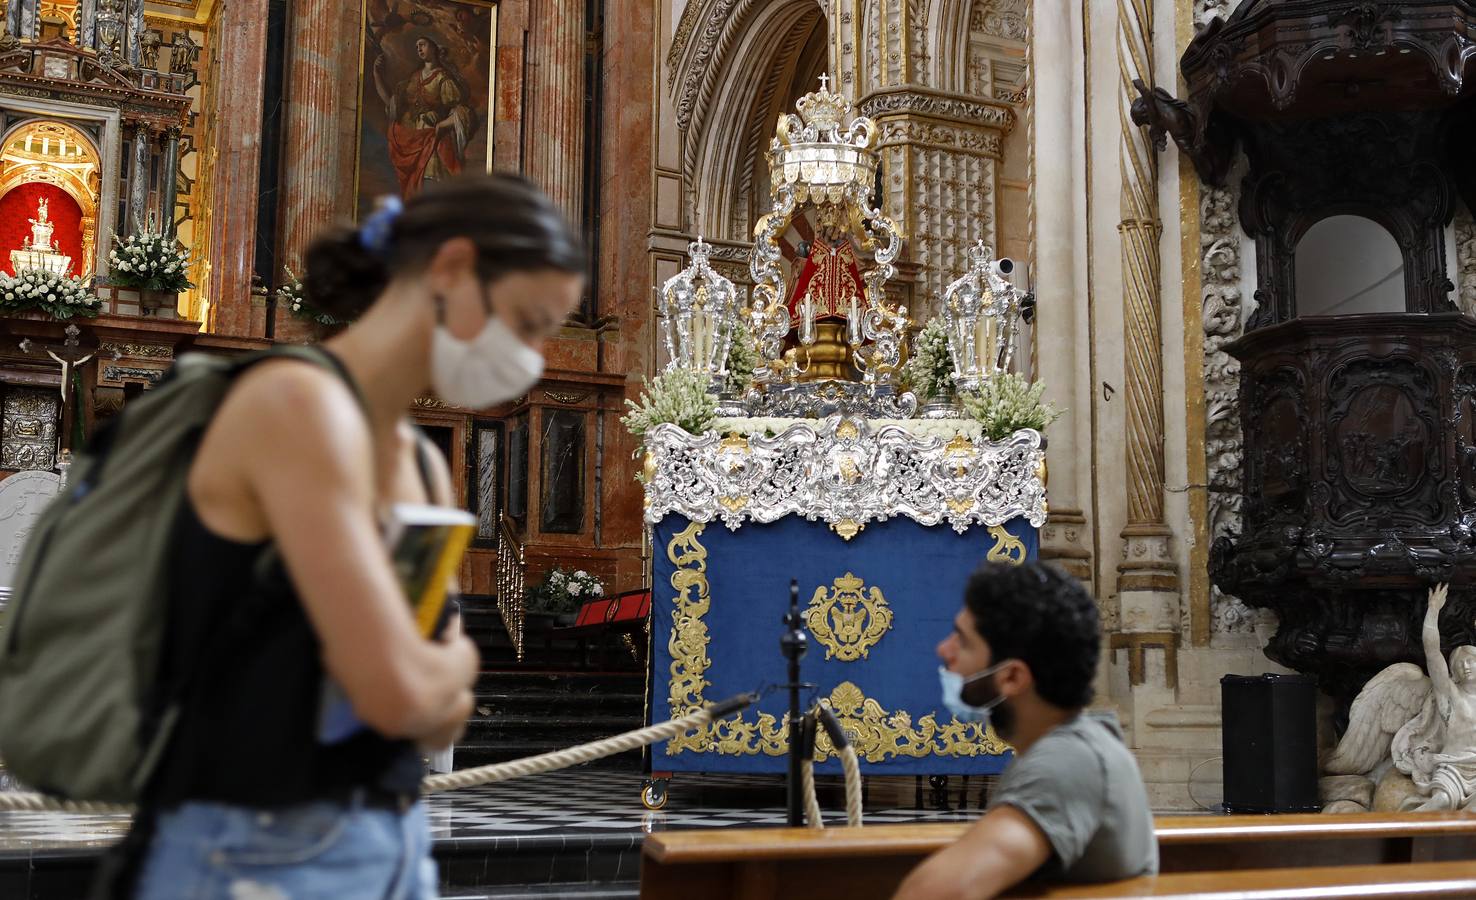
(1007, 403)
(292, 296)
(929, 373)
(743, 361)
(565, 592)
(943, 429)
(678, 397)
(151, 262)
(60, 296)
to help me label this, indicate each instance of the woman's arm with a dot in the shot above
(310, 467)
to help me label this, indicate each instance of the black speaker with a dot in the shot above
(1269, 726)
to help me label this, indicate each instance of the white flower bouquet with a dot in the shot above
(150, 262)
(60, 296)
(678, 397)
(1008, 403)
(292, 296)
(929, 373)
(564, 592)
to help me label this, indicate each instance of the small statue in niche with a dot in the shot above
(1423, 727)
(149, 46)
(41, 229)
(183, 55)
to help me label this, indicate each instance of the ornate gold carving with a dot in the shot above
(848, 620)
(877, 735)
(137, 351)
(960, 506)
(733, 504)
(428, 403)
(567, 398)
(1007, 548)
(847, 528)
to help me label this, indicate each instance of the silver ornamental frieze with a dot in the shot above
(845, 473)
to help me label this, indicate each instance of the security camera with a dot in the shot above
(1004, 267)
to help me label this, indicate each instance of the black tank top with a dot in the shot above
(247, 731)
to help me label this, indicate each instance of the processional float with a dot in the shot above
(823, 472)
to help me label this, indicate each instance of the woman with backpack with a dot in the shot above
(456, 293)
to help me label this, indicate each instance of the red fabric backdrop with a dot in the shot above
(18, 208)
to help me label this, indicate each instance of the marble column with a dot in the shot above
(169, 185)
(627, 265)
(234, 187)
(135, 31)
(555, 114)
(27, 17)
(1148, 581)
(87, 23)
(315, 155)
(138, 182)
(1062, 315)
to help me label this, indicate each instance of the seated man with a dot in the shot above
(1071, 806)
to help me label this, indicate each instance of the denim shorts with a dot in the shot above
(316, 851)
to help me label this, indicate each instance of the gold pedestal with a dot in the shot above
(829, 358)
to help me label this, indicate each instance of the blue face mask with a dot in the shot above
(953, 685)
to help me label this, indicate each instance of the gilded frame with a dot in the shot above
(877, 734)
(487, 126)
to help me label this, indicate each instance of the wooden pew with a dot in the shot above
(872, 861)
(1404, 881)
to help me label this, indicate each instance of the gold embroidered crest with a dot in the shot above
(848, 620)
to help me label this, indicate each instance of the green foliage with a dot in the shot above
(929, 373)
(679, 398)
(1007, 403)
(743, 361)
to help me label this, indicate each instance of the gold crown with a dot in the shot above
(824, 110)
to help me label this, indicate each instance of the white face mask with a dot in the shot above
(491, 368)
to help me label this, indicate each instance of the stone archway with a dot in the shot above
(743, 61)
(51, 152)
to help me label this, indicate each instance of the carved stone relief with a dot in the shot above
(1223, 315)
(1465, 235)
(1000, 18)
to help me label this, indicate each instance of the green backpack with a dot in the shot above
(81, 716)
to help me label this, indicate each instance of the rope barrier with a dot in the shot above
(850, 764)
(489, 774)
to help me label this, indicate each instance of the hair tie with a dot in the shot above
(374, 234)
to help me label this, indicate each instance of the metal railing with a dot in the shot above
(512, 568)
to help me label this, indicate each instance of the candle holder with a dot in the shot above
(981, 313)
(699, 310)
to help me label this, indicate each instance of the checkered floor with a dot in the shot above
(569, 803)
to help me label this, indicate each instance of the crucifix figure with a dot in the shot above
(70, 361)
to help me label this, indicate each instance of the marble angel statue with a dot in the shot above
(1425, 726)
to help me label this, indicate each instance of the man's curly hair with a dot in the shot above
(1039, 615)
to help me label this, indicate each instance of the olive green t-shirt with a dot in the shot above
(1081, 787)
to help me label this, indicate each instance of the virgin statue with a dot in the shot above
(431, 119)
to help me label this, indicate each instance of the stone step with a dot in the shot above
(624, 890)
(535, 703)
(590, 724)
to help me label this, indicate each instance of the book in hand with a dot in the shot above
(426, 545)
